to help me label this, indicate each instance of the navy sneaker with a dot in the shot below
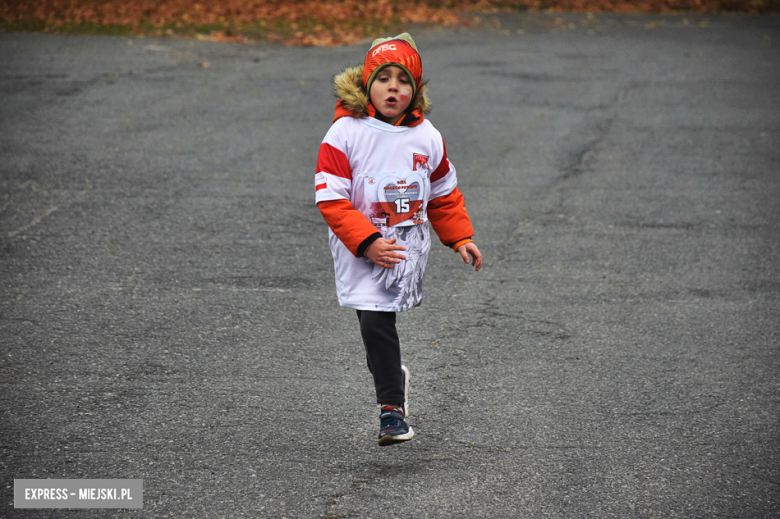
(393, 427)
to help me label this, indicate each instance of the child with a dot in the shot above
(382, 174)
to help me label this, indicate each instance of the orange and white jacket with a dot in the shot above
(373, 180)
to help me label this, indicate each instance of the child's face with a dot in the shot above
(391, 93)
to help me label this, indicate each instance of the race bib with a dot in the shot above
(395, 199)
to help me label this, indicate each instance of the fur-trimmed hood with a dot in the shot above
(353, 101)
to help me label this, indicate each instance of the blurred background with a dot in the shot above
(309, 22)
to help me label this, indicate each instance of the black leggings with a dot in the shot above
(383, 355)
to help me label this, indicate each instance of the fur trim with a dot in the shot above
(349, 89)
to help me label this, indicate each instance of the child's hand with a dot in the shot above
(382, 253)
(470, 248)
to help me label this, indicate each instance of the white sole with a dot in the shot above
(390, 440)
(406, 390)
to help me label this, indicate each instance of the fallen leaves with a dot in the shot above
(306, 22)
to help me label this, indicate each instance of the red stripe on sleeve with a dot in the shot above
(332, 160)
(320, 186)
(443, 168)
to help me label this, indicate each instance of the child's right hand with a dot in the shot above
(382, 252)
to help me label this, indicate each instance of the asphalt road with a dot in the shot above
(168, 311)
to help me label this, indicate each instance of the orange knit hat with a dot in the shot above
(399, 51)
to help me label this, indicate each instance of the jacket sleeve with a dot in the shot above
(447, 208)
(332, 188)
(449, 219)
(349, 225)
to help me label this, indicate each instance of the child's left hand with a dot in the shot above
(471, 248)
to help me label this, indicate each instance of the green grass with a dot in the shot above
(89, 28)
(23, 26)
(259, 30)
(97, 29)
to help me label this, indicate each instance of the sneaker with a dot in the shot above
(393, 427)
(406, 389)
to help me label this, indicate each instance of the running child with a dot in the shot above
(382, 175)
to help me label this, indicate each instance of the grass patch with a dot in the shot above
(27, 25)
(89, 28)
(60, 27)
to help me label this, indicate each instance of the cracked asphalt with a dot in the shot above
(168, 311)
